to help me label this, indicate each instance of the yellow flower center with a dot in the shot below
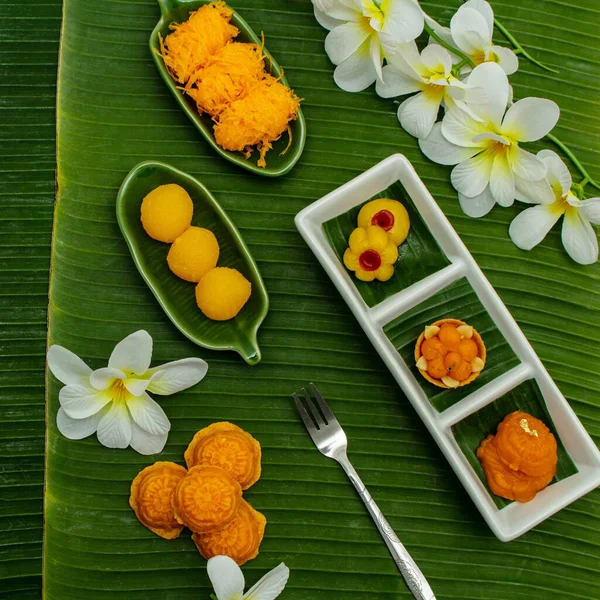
(118, 391)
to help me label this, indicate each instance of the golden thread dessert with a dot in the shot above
(229, 447)
(450, 353)
(193, 254)
(206, 499)
(521, 459)
(166, 212)
(371, 254)
(240, 540)
(222, 293)
(388, 214)
(151, 498)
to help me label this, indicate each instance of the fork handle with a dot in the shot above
(415, 580)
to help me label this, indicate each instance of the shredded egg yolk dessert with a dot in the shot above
(166, 212)
(222, 293)
(371, 254)
(193, 254)
(388, 214)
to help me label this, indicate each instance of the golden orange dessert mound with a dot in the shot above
(193, 254)
(166, 212)
(151, 498)
(240, 540)
(229, 447)
(388, 214)
(450, 354)
(206, 499)
(222, 293)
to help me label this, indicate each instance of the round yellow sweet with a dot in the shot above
(167, 212)
(222, 293)
(388, 214)
(193, 254)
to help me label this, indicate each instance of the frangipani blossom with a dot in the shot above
(362, 33)
(489, 162)
(228, 581)
(113, 401)
(555, 199)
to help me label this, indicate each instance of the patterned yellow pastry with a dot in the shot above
(240, 539)
(371, 254)
(388, 214)
(206, 499)
(227, 446)
(151, 498)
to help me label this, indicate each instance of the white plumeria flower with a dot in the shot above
(228, 581)
(362, 33)
(554, 199)
(113, 401)
(472, 27)
(489, 162)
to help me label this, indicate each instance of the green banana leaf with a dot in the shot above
(114, 111)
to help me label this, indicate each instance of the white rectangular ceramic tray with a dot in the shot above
(516, 518)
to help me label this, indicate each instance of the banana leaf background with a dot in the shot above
(114, 111)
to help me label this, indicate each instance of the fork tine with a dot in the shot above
(327, 413)
(313, 409)
(308, 422)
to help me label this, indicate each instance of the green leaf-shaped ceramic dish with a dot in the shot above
(176, 296)
(177, 11)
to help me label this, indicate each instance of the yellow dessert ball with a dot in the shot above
(222, 293)
(167, 212)
(193, 254)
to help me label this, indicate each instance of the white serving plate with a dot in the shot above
(516, 518)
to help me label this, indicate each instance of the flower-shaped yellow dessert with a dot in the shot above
(371, 254)
(388, 214)
(166, 212)
(151, 498)
(206, 499)
(222, 293)
(450, 353)
(193, 254)
(239, 540)
(227, 446)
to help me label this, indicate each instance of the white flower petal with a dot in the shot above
(407, 60)
(487, 136)
(436, 58)
(77, 429)
(484, 9)
(357, 72)
(134, 353)
(534, 192)
(579, 238)
(477, 206)
(82, 401)
(325, 20)
(558, 174)
(114, 429)
(495, 90)
(226, 577)
(418, 114)
(472, 176)
(176, 376)
(67, 367)
(344, 40)
(376, 56)
(461, 129)
(438, 149)
(530, 227)
(136, 387)
(339, 9)
(526, 165)
(146, 443)
(469, 29)
(394, 83)
(271, 585)
(590, 210)
(403, 21)
(148, 414)
(506, 58)
(530, 119)
(502, 181)
(102, 379)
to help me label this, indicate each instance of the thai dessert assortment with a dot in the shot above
(166, 215)
(228, 81)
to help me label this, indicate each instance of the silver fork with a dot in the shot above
(330, 439)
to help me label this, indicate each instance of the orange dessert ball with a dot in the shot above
(193, 254)
(449, 336)
(433, 348)
(166, 212)
(436, 368)
(222, 293)
(468, 349)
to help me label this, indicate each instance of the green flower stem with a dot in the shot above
(213, 597)
(467, 60)
(587, 179)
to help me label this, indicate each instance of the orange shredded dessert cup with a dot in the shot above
(450, 353)
(151, 498)
(229, 447)
(240, 540)
(206, 499)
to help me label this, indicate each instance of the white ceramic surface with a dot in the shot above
(517, 518)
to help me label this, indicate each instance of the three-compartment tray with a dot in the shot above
(516, 373)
